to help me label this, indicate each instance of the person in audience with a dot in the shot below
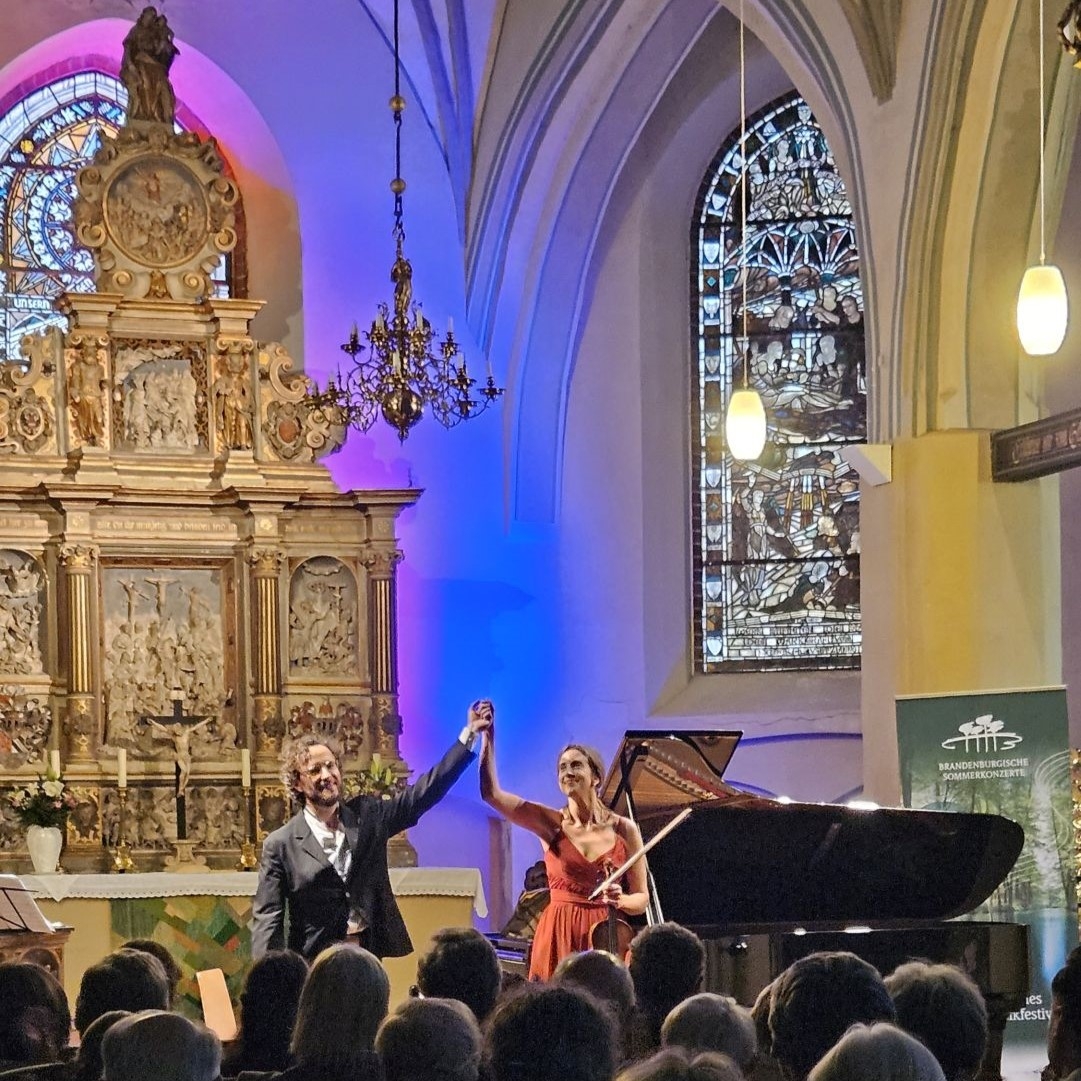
(667, 963)
(88, 1065)
(461, 964)
(582, 841)
(328, 864)
(708, 1022)
(168, 962)
(816, 1000)
(678, 1064)
(35, 1020)
(944, 1009)
(157, 1045)
(545, 1033)
(765, 1067)
(606, 978)
(430, 1039)
(1064, 1028)
(343, 1003)
(124, 980)
(878, 1052)
(268, 1011)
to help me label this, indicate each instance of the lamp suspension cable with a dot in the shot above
(745, 420)
(744, 266)
(1042, 303)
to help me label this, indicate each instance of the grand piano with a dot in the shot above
(765, 882)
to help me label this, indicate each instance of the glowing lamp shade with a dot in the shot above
(745, 425)
(1042, 310)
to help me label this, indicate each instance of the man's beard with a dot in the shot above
(325, 797)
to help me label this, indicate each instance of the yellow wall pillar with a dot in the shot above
(961, 586)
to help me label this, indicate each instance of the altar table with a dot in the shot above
(202, 918)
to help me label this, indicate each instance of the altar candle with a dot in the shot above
(122, 768)
(245, 767)
(54, 763)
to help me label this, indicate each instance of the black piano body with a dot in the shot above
(764, 881)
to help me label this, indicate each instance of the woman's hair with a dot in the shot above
(296, 755)
(677, 1064)
(878, 1052)
(88, 1064)
(430, 1039)
(343, 1002)
(708, 1022)
(268, 1009)
(601, 816)
(36, 1022)
(944, 1009)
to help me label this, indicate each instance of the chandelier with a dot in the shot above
(402, 370)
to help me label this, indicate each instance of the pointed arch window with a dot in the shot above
(46, 137)
(776, 542)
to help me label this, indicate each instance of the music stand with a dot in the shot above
(18, 909)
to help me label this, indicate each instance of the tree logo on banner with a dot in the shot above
(983, 734)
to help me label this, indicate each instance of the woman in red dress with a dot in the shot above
(583, 842)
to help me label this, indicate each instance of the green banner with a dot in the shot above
(1005, 753)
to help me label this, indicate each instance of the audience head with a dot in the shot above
(677, 1064)
(268, 1009)
(161, 1045)
(341, 1007)
(760, 1017)
(667, 963)
(550, 1034)
(168, 962)
(35, 1021)
(878, 1052)
(1064, 1030)
(430, 1039)
(124, 980)
(814, 1002)
(88, 1064)
(708, 1022)
(944, 1010)
(461, 964)
(603, 975)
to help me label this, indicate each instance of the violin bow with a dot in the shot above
(630, 861)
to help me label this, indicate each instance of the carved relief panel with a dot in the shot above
(160, 396)
(22, 605)
(323, 617)
(165, 625)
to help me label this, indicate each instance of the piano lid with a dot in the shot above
(656, 771)
(740, 860)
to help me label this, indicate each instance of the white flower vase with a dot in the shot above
(44, 844)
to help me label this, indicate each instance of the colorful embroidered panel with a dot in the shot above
(776, 541)
(45, 139)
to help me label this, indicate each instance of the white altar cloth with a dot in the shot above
(405, 881)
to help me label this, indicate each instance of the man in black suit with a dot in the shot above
(328, 864)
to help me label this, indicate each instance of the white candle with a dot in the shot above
(122, 768)
(54, 763)
(377, 760)
(450, 328)
(245, 767)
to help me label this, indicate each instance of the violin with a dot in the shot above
(613, 933)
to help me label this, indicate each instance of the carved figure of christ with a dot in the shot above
(178, 729)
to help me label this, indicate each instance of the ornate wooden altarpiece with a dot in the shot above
(164, 522)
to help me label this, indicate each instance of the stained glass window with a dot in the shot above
(45, 139)
(776, 557)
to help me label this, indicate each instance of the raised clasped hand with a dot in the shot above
(481, 715)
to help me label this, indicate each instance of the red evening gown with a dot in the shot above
(566, 924)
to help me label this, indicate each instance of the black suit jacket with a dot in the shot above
(295, 873)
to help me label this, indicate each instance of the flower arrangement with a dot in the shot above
(45, 802)
(376, 780)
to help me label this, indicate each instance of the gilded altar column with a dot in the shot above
(266, 566)
(383, 647)
(79, 562)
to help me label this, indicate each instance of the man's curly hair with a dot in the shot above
(295, 757)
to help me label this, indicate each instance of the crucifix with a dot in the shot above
(178, 728)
